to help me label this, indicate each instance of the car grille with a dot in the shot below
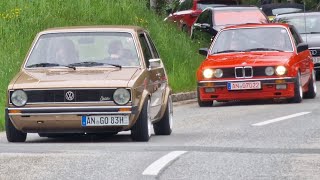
(243, 72)
(69, 95)
(315, 52)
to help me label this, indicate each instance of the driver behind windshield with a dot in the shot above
(65, 52)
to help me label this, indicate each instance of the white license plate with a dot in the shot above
(316, 60)
(244, 85)
(106, 120)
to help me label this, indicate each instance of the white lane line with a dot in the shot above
(158, 165)
(280, 119)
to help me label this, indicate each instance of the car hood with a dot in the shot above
(247, 59)
(80, 78)
(313, 40)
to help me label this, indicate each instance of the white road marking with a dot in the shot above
(158, 165)
(280, 119)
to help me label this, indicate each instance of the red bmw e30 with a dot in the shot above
(256, 61)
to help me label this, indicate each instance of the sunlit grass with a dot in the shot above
(20, 20)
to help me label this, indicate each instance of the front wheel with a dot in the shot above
(298, 92)
(312, 87)
(13, 134)
(164, 126)
(141, 130)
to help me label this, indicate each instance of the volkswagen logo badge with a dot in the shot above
(69, 96)
(313, 52)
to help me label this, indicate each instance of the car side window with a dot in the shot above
(153, 48)
(296, 37)
(145, 48)
(185, 5)
(204, 17)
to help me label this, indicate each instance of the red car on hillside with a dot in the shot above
(256, 61)
(187, 11)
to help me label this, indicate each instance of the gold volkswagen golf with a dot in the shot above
(84, 80)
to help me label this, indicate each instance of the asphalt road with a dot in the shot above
(235, 140)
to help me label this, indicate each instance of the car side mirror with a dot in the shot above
(302, 47)
(205, 26)
(154, 63)
(203, 51)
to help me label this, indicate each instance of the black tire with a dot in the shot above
(164, 126)
(13, 134)
(312, 87)
(203, 103)
(141, 130)
(298, 94)
(317, 75)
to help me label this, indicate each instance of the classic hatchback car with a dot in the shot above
(90, 80)
(187, 11)
(211, 20)
(243, 65)
(308, 26)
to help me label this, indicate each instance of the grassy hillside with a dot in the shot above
(20, 20)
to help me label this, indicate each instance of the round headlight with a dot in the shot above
(281, 70)
(218, 73)
(121, 96)
(269, 71)
(208, 73)
(19, 98)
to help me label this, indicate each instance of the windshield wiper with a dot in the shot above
(43, 65)
(115, 65)
(226, 51)
(263, 49)
(91, 63)
(314, 32)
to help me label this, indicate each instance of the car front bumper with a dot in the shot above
(268, 90)
(67, 119)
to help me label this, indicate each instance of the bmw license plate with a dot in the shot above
(244, 85)
(106, 120)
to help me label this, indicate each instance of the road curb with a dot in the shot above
(184, 96)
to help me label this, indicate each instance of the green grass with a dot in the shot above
(20, 20)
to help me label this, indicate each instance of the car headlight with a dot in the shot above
(269, 71)
(19, 98)
(121, 96)
(218, 73)
(281, 70)
(208, 73)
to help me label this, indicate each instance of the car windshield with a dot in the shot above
(84, 49)
(304, 25)
(252, 39)
(231, 16)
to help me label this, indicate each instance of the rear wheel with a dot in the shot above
(298, 92)
(203, 103)
(13, 134)
(164, 126)
(141, 130)
(312, 87)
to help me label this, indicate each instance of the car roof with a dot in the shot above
(253, 25)
(105, 28)
(298, 14)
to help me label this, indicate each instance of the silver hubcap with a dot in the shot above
(170, 109)
(149, 119)
(314, 81)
